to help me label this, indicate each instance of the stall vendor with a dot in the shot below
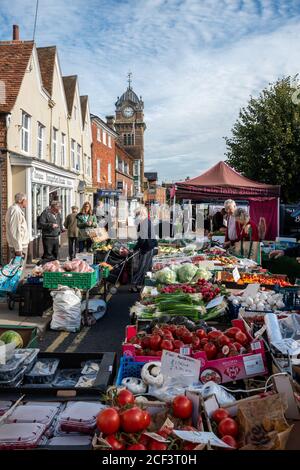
(233, 226)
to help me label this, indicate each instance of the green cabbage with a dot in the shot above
(165, 276)
(202, 273)
(186, 272)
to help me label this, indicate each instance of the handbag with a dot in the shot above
(10, 275)
(248, 249)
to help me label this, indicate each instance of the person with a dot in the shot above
(85, 221)
(218, 220)
(247, 229)
(50, 222)
(71, 226)
(233, 227)
(100, 213)
(146, 243)
(293, 252)
(16, 227)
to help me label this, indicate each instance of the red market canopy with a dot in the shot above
(222, 182)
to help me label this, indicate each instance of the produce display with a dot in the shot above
(262, 301)
(75, 266)
(183, 273)
(256, 278)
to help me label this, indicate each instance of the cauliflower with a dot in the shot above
(165, 276)
(186, 272)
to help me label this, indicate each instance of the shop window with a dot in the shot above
(40, 140)
(63, 150)
(25, 132)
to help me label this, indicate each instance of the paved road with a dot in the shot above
(106, 335)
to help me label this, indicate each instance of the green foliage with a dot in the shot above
(265, 141)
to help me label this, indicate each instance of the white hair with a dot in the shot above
(19, 197)
(229, 203)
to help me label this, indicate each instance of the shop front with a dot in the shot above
(42, 183)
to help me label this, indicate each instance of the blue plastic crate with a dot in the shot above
(129, 368)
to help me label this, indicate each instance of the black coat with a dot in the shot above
(146, 240)
(46, 221)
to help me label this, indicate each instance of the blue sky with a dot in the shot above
(195, 62)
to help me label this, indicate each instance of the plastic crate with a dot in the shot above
(129, 368)
(34, 280)
(79, 280)
(291, 297)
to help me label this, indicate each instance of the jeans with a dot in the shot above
(72, 247)
(85, 244)
(51, 247)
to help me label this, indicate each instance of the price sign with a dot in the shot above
(177, 365)
(236, 275)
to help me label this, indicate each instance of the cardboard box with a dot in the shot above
(28, 333)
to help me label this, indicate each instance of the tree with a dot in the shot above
(265, 142)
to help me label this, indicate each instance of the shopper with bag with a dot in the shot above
(50, 222)
(72, 227)
(16, 227)
(85, 221)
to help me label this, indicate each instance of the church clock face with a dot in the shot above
(128, 112)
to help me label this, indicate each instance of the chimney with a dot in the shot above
(16, 33)
(110, 121)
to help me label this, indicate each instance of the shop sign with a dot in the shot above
(51, 179)
(108, 193)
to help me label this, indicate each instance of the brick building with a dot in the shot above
(124, 172)
(153, 192)
(103, 159)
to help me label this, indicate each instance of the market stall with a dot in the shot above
(221, 182)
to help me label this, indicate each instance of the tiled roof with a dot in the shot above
(70, 88)
(83, 104)
(14, 59)
(46, 57)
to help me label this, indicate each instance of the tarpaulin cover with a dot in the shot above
(266, 209)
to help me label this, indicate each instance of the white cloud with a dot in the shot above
(195, 63)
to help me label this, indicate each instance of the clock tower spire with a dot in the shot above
(130, 125)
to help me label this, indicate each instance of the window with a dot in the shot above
(104, 134)
(25, 132)
(120, 164)
(63, 149)
(109, 173)
(78, 165)
(126, 168)
(40, 140)
(98, 134)
(109, 141)
(73, 154)
(88, 160)
(75, 113)
(54, 145)
(98, 171)
(117, 162)
(136, 168)
(128, 139)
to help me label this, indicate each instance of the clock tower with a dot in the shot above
(129, 124)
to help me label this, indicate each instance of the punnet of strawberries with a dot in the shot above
(206, 288)
(216, 344)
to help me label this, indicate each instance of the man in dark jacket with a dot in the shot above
(71, 226)
(293, 252)
(50, 222)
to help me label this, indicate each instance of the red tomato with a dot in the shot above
(178, 344)
(210, 350)
(241, 338)
(133, 420)
(230, 441)
(155, 341)
(182, 407)
(147, 419)
(237, 346)
(144, 440)
(189, 446)
(231, 332)
(136, 447)
(166, 344)
(168, 335)
(125, 397)
(204, 341)
(201, 334)
(223, 340)
(187, 338)
(228, 427)
(145, 343)
(213, 335)
(196, 343)
(220, 414)
(114, 443)
(155, 445)
(108, 421)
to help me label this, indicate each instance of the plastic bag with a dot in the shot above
(66, 309)
(96, 307)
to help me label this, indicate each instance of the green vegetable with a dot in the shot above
(165, 276)
(12, 337)
(186, 272)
